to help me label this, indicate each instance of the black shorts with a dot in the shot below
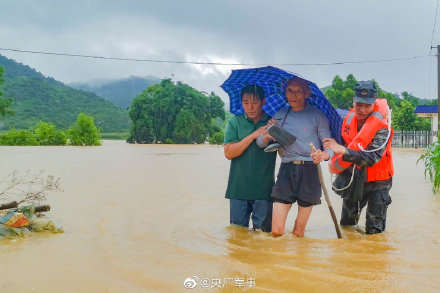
(297, 183)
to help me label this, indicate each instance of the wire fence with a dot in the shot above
(413, 138)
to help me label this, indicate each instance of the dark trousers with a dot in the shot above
(260, 210)
(377, 200)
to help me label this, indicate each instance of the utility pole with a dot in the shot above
(438, 90)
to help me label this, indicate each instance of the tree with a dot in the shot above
(84, 131)
(174, 112)
(19, 137)
(39, 98)
(4, 103)
(47, 134)
(350, 81)
(217, 138)
(188, 128)
(341, 93)
(405, 118)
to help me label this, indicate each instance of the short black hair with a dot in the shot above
(253, 89)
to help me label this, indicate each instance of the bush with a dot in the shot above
(217, 138)
(47, 134)
(431, 159)
(84, 131)
(19, 137)
(168, 141)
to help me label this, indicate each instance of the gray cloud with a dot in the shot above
(249, 31)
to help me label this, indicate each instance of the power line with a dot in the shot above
(434, 26)
(213, 63)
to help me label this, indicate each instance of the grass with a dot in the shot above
(431, 160)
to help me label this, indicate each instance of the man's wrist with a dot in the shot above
(330, 154)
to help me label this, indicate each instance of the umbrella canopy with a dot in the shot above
(274, 81)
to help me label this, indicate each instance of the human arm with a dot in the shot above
(361, 158)
(264, 139)
(323, 134)
(235, 149)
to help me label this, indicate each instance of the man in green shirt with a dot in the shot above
(251, 175)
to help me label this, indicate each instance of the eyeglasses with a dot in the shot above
(295, 92)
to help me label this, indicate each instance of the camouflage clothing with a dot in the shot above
(375, 194)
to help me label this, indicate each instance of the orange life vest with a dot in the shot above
(383, 169)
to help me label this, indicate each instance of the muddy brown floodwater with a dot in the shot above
(143, 218)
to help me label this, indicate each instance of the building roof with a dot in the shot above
(426, 109)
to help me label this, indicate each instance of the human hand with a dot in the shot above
(271, 122)
(318, 156)
(330, 143)
(259, 131)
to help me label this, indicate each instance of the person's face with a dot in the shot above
(363, 110)
(295, 96)
(252, 106)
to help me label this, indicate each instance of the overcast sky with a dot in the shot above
(243, 31)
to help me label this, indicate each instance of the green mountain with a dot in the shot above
(120, 92)
(39, 98)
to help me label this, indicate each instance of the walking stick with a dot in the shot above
(327, 198)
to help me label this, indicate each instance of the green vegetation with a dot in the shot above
(431, 160)
(47, 134)
(19, 137)
(217, 138)
(39, 98)
(341, 94)
(83, 132)
(115, 135)
(174, 113)
(4, 102)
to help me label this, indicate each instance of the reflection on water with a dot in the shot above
(142, 218)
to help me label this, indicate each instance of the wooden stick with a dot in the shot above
(327, 198)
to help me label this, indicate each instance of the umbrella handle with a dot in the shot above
(327, 198)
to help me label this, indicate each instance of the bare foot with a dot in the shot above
(298, 233)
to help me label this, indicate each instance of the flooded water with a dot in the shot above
(142, 218)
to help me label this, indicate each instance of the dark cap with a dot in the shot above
(365, 92)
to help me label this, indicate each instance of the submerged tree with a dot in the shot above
(174, 113)
(84, 131)
(47, 134)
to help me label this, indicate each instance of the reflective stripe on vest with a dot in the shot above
(350, 117)
(381, 170)
(377, 114)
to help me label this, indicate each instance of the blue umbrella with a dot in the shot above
(274, 81)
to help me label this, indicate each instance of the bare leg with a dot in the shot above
(279, 215)
(301, 220)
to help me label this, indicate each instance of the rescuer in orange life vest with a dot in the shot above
(367, 135)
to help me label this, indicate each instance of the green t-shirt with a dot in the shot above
(251, 175)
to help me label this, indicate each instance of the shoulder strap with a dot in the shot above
(285, 117)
